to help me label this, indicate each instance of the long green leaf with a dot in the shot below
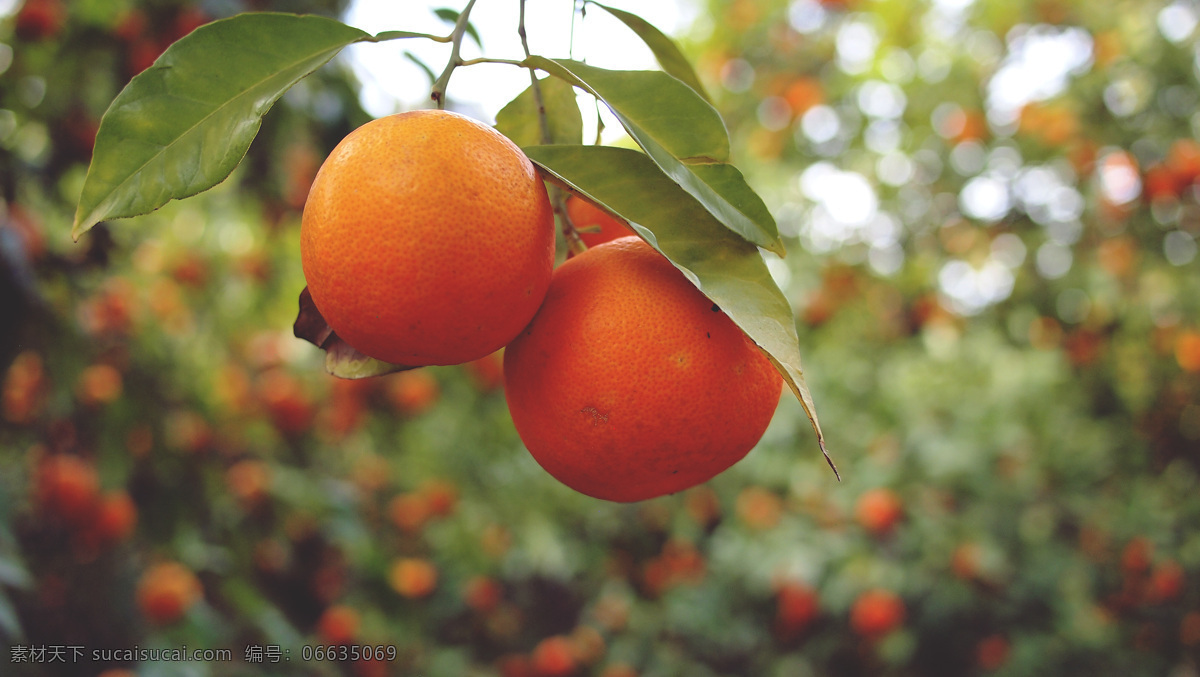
(729, 270)
(679, 131)
(518, 120)
(664, 48)
(183, 125)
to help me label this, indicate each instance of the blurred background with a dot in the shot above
(992, 213)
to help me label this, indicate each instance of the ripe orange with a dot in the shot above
(876, 613)
(630, 384)
(427, 238)
(878, 510)
(482, 593)
(759, 508)
(68, 487)
(115, 518)
(338, 624)
(166, 591)
(552, 657)
(413, 577)
(798, 605)
(595, 225)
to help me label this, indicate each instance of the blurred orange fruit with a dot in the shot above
(338, 624)
(248, 481)
(441, 496)
(409, 512)
(166, 591)
(68, 487)
(878, 510)
(116, 517)
(24, 388)
(487, 373)
(1187, 350)
(876, 612)
(629, 383)
(413, 392)
(552, 657)
(482, 593)
(797, 605)
(759, 508)
(427, 238)
(413, 577)
(99, 384)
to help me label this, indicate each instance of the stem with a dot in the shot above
(571, 45)
(484, 59)
(543, 123)
(438, 93)
(558, 200)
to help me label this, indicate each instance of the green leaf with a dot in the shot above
(664, 48)
(422, 65)
(183, 125)
(518, 120)
(10, 622)
(683, 134)
(729, 270)
(450, 16)
(13, 574)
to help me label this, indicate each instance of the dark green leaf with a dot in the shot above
(679, 131)
(450, 16)
(664, 48)
(729, 270)
(518, 120)
(185, 123)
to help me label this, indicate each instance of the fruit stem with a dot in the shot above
(438, 92)
(557, 199)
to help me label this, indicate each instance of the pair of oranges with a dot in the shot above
(428, 239)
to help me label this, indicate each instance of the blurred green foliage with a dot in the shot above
(992, 214)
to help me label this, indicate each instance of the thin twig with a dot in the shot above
(557, 198)
(484, 59)
(438, 92)
(543, 123)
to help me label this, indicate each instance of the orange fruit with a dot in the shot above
(798, 605)
(876, 613)
(115, 518)
(410, 512)
(629, 383)
(482, 593)
(413, 577)
(427, 238)
(759, 508)
(878, 510)
(595, 226)
(249, 480)
(553, 657)
(413, 392)
(338, 625)
(68, 487)
(166, 591)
